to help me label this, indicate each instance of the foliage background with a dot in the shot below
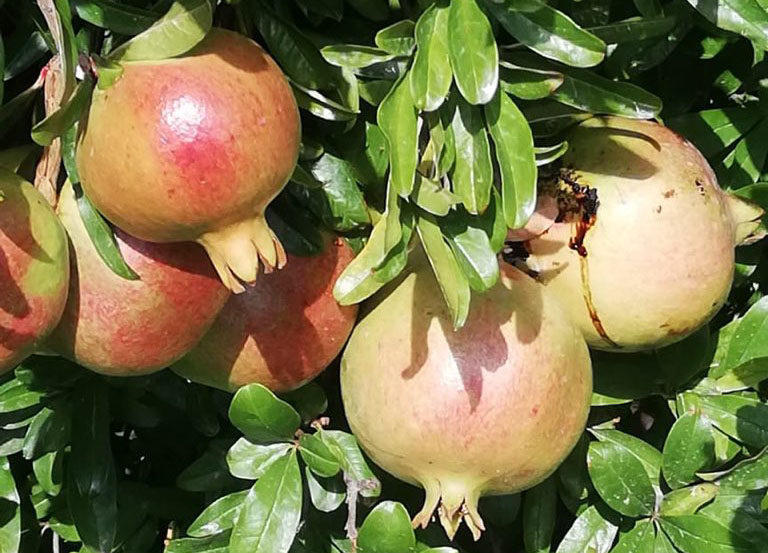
(675, 457)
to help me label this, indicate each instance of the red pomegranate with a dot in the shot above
(639, 247)
(34, 269)
(193, 149)
(282, 332)
(492, 408)
(125, 327)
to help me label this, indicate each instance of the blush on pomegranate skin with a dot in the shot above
(122, 327)
(212, 138)
(280, 333)
(34, 269)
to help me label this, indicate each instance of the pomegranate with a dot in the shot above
(280, 333)
(492, 408)
(210, 138)
(641, 250)
(34, 269)
(122, 327)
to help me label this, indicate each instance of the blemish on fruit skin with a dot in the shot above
(669, 193)
(658, 209)
(534, 410)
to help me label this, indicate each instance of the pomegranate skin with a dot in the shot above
(121, 327)
(34, 269)
(282, 332)
(493, 408)
(657, 261)
(211, 138)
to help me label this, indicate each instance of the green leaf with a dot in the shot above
(589, 92)
(269, 516)
(339, 203)
(742, 418)
(49, 432)
(433, 198)
(549, 32)
(649, 456)
(635, 29)
(119, 18)
(692, 533)
(638, 540)
(686, 501)
(744, 17)
(15, 395)
(473, 53)
(546, 155)
(539, 511)
(108, 71)
(218, 516)
(347, 452)
(10, 509)
(249, 461)
(354, 56)
(590, 532)
(397, 118)
(327, 494)
(66, 45)
(493, 222)
(714, 130)
(746, 360)
(689, 448)
(102, 237)
(527, 83)
(750, 474)
(662, 544)
(67, 115)
(472, 248)
(517, 161)
(184, 25)
(743, 164)
(431, 76)
(318, 457)
(49, 472)
(321, 106)
(213, 544)
(450, 277)
(620, 479)
(295, 53)
(309, 400)
(373, 267)
(386, 529)
(12, 158)
(13, 110)
(473, 173)
(261, 416)
(397, 39)
(91, 479)
(33, 48)
(209, 472)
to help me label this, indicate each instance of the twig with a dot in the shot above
(49, 166)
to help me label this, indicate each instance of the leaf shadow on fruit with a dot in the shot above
(16, 223)
(229, 54)
(614, 158)
(479, 346)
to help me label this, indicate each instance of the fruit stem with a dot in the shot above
(458, 502)
(745, 217)
(237, 249)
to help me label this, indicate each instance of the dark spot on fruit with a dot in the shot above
(535, 410)
(700, 186)
(669, 193)
(658, 209)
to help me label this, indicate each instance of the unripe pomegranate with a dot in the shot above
(122, 327)
(194, 148)
(34, 269)
(492, 408)
(280, 333)
(641, 251)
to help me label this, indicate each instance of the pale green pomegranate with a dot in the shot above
(642, 250)
(493, 408)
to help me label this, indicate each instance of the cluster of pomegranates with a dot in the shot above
(631, 248)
